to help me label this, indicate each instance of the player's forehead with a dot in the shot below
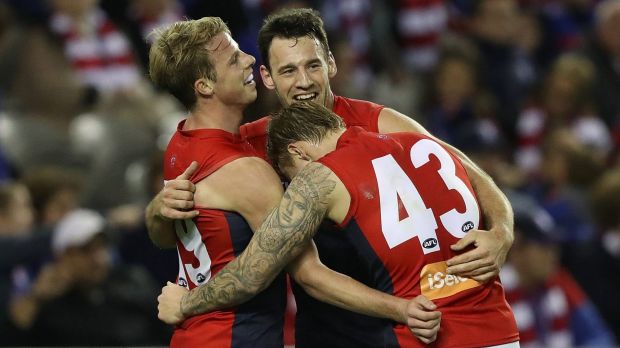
(298, 50)
(222, 45)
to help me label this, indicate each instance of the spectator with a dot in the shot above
(495, 30)
(566, 102)
(100, 54)
(604, 51)
(596, 264)
(18, 249)
(550, 308)
(55, 192)
(152, 14)
(569, 170)
(419, 27)
(459, 110)
(81, 298)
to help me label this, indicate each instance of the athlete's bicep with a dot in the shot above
(392, 121)
(248, 186)
(258, 194)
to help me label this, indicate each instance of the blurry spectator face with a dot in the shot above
(559, 96)
(609, 31)
(151, 8)
(530, 33)
(455, 83)
(555, 156)
(17, 214)
(235, 83)
(534, 261)
(300, 70)
(74, 8)
(88, 264)
(568, 86)
(62, 202)
(497, 20)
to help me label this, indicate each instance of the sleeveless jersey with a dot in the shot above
(410, 200)
(211, 240)
(339, 328)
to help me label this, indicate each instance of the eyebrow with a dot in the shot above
(292, 66)
(285, 67)
(233, 59)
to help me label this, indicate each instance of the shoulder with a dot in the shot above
(390, 121)
(356, 112)
(316, 180)
(249, 170)
(254, 129)
(242, 183)
(357, 105)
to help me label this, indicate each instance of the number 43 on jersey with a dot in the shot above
(393, 182)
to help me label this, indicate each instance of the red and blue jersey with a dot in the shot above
(338, 327)
(410, 200)
(208, 242)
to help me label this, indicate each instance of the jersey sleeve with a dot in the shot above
(359, 113)
(211, 155)
(255, 133)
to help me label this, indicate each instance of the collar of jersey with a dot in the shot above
(203, 133)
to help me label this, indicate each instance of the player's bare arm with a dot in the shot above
(343, 291)
(323, 283)
(484, 261)
(172, 202)
(285, 233)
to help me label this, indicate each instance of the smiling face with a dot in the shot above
(300, 71)
(234, 75)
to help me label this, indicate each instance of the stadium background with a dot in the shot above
(529, 89)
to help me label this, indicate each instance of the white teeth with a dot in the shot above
(249, 79)
(305, 97)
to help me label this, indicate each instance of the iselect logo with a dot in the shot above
(436, 283)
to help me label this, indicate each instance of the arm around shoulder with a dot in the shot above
(283, 235)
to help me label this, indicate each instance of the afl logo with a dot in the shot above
(173, 160)
(430, 243)
(467, 226)
(200, 278)
(183, 282)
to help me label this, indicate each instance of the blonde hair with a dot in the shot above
(179, 56)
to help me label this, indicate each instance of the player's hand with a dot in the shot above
(177, 197)
(169, 304)
(484, 261)
(424, 320)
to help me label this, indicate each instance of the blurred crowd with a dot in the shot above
(529, 89)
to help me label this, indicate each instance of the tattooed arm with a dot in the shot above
(285, 233)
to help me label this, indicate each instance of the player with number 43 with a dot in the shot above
(401, 199)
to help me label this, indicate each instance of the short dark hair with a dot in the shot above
(301, 121)
(291, 24)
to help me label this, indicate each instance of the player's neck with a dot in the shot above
(215, 116)
(329, 103)
(330, 141)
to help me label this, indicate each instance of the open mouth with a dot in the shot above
(306, 97)
(249, 80)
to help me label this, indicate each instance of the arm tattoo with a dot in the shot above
(283, 235)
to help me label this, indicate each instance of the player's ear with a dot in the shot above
(332, 69)
(294, 150)
(204, 87)
(266, 76)
(297, 151)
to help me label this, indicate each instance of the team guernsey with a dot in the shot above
(338, 328)
(410, 200)
(208, 242)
